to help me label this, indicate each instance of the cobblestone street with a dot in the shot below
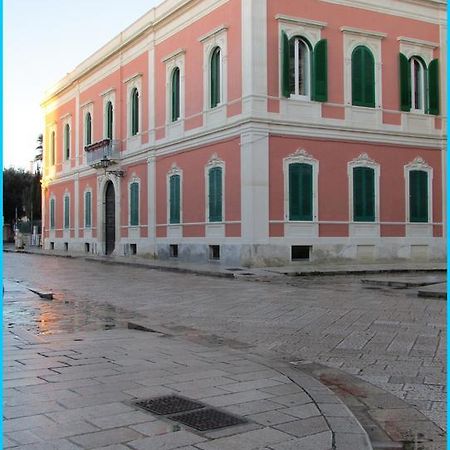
(386, 336)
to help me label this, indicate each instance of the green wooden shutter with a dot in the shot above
(52, 213)
(363, 77)
(174, 199)
(215, 194)
(109, 120)
(88, 126)
(357, 69)
(405, 83)
(363, 194)
(175, 95)
(433, 87)
(134, 204)
(215, 77)
(418, 196)
(67, 141)
(369, 78)
(53, 149)
(320, 72)
(300, 192)
(285, 66)
(87, 210)
(66, 212)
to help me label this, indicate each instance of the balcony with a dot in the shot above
(106, 149)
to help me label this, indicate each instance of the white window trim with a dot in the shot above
(172, 61)
(84, 209)
(419, 164)
(217, 38)
(353, 38)
(363, 160)
(134, 179)
(413, 85)
(175, 170)
(109, 96)
(214, 161)
(66, 195)
(52, 198)
(67, 121)
(134, 82)
(301, 156)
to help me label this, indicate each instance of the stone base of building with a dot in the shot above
(278, 252)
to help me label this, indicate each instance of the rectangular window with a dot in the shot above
(87, 210)
(66, 212)
(418, 196)
(174, 199)
(134, 204)
(52, 214)
(215, 194)
(300, 192)
(363, 194)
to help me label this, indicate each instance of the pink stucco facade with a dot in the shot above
(250, 134)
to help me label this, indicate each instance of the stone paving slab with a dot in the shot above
(108, 419)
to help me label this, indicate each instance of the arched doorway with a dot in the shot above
(110, 218)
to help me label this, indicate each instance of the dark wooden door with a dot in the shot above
(110, 219)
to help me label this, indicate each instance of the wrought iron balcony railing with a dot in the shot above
(106, 149)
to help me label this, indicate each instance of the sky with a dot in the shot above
(43, 41)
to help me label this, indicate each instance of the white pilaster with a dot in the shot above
(255, 186)
(76, 126)
(76, 188)
(254, 57)
(151, 94)
(151, 200)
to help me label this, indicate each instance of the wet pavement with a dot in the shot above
(381, 334)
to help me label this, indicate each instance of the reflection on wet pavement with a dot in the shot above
(23, 308)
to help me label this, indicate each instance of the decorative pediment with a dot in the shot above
(214, 161)
(363, 160)
(174, 170)
(300, 156)
(418, 163)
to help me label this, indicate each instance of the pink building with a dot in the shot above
(255, 132)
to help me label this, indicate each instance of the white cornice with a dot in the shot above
(180, 51)
(413, 41)
(134, 76)
(301, 21)
(213, 32)
(360, 32)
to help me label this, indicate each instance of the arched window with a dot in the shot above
(363, 194)
(216, 77)
(215, 194)
(134, 112)
(67, 141)
(109, 116)
(88, 129)
(53, 149)
(417, 84)
(174, 199)
(134, 204)
(175, 94)
(418, 196)
(363, 77)
(299, 67)
(300, 191)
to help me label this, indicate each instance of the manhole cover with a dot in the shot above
(169, 404)
(208, 419)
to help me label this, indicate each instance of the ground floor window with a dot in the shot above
(418, 196)
(363, 194)
(300, 191)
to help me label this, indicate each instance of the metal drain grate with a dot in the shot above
(208, 419)
(169, 404)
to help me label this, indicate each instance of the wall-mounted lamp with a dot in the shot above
(105, 163)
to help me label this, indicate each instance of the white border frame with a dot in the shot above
(214, 161)
(85, 227)
(174, 170)
(134, 82)
(134, 179)
(66, 195)
(109, 96)
(67, 120)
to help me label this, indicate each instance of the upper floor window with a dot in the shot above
(66, 212)
(363, 77)
(215, 194)
(53, 148)
(134, 117)
(88, 129)
(174, 199)
(109, 116)
(175, 94)
(418, 196)
(304, 71)
(419, 85)
(300, 191)
(216, 77)
(134, 204)
(363, 194)
(88, 209)
(67, 141)
(52, 213)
